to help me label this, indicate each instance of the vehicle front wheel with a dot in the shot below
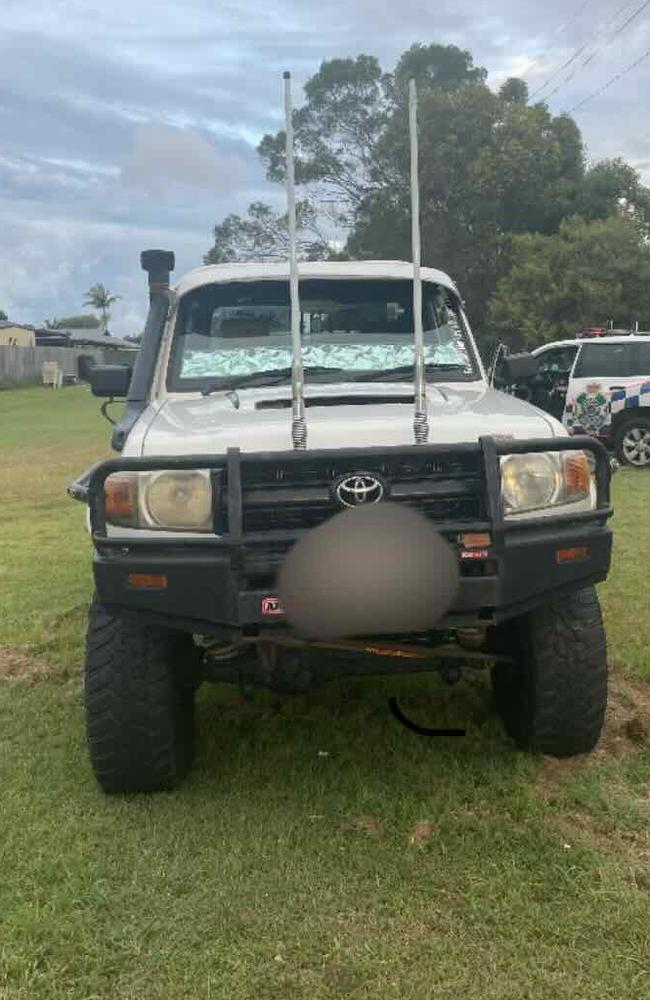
(632, 442)
(553, 695)
(140, 683)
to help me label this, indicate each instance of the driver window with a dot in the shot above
(558, 360)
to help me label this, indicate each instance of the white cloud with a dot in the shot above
(46, 267)
(162, 153)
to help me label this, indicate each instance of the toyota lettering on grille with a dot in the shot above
(362, 488)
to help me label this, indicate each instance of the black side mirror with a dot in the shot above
(85, 364)
(110, 380)
(520, 367)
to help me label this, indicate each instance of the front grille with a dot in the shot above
(289, 518)
(298, 494)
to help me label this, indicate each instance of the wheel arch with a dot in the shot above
(628, 415)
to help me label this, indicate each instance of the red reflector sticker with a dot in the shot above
(272, 606)
(572, 555)
(147, 581)
(475, 554)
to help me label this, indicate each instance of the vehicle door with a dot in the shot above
(550, 385)
(633, 389)
(602, 373)
(500, 376)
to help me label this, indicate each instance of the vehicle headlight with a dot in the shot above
(180, 501)
(541, 482)
(162, 501)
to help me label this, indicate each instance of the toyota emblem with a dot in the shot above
(359, 489)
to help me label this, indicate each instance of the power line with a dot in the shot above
(600, 47)
(585, 45)
(609, 83)
(574, 16)
(630, 18)
(558, 31)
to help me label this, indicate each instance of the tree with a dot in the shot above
(584, 275)
(335, 132)
(445, 67)
(3, 316)
(349, 103)
(488, 168)
(83, 321)
(514, 90)
(264, 235)
(613, 186)
(98, 297)
(492, 167)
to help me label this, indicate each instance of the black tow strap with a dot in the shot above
(420, 730)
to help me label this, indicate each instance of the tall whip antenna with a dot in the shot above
(298, 424)
(421, 419)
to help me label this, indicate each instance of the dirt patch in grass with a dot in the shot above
(613, 822)
(627, 723)
(18, 668)
(626, 731)
(630, 847)
(368, 825)
(421, 833)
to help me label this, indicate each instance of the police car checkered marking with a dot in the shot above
(580, 414)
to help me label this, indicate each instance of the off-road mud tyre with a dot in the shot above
(140, 683)
(552, 697)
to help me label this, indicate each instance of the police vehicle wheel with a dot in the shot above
(552, 697)
(140, 683)
(632, 442)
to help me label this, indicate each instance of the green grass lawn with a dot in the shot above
(319, 849)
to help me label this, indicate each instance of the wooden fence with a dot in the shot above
(23, 364)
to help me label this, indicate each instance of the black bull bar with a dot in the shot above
(522, 550)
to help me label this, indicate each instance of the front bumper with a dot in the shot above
(224, 585)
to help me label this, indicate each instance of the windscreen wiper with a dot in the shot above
(388, 374)
(275, 376)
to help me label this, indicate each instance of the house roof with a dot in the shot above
(6, 324)
(79, 337)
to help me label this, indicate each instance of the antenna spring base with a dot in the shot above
(299, 433)
(421, 427)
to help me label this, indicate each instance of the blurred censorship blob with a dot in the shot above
(371, 570)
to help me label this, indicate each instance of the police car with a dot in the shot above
(599, 387)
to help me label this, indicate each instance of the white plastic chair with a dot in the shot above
(52, 374)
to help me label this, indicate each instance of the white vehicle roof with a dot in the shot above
(576, 342)
(220, 273)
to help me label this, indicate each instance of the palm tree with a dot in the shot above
(98, 297)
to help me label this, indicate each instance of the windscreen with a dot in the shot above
(240, 332)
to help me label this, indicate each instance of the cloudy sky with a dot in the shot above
(133, 124)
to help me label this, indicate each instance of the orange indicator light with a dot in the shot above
(476, 540)
(147, 581)
(572, 555)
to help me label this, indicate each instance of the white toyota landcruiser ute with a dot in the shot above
(221, 468)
